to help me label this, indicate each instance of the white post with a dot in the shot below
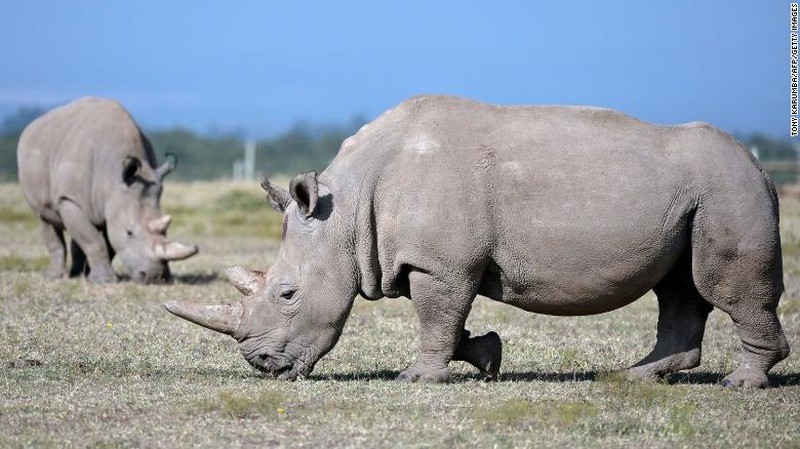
(249, 160)
(238, 170)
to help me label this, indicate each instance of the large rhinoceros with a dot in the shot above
(87, 167)
(555, 210)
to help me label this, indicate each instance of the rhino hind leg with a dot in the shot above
(763, 345)
(484, 352)
(682, 315)
(753, 313)
(737, 267)
(53, 236)
(91, 241)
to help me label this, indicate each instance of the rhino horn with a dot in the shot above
(166, 167)
(224, 318)
(244, 280)
(174, 251)
(159, 225)
(278, 197)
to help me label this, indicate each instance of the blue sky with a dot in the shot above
(259, 66)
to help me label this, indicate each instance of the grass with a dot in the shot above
(237, 210)
(14, 262)
(106, 366)
(264, 404)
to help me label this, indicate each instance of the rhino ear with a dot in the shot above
(130, 166)
(278, 198)
(305, 192)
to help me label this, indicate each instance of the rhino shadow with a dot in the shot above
(384, 374)
(693, 378)
(706, 377)
(188, 278)
(391, 375)
(195, 278)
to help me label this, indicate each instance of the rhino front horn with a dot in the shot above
(224, 318)
(175, 251)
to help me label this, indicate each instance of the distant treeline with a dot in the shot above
(304, 147)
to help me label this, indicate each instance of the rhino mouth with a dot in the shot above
(143, 278)
(280, 367)
(287, 362)
(162, 275)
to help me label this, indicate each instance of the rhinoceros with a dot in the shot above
(87, 168)
(558, 210)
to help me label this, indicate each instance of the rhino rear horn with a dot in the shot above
(159, 225)
(175, 251)
(278, 198)
(167, 166)
(224, 318)
(244, 280)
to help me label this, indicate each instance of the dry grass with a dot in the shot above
(87, 365)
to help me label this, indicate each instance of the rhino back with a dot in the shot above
(76, 151)
(550, 208)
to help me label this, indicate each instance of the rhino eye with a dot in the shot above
(129, 232)
(288, 294)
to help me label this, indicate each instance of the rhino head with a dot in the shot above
(135, 226)
(293, 313)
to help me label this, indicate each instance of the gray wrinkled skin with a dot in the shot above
(555, 210)
(87, 168)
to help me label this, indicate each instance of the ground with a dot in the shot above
(106, 366)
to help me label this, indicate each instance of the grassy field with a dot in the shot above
(106, 366)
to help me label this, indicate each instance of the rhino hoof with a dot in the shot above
(745, 379)
(101, 277)
(638, 374)
(407, 376)
(428, 375)
(484, 353)
(494, 351)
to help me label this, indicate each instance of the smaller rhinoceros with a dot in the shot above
(553, 209)
(87, 168)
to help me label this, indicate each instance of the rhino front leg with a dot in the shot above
(56, 247)
(442, 309)
(79, 265)
(90, 239)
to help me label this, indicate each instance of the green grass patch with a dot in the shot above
(549, 413)
(17, 263)
(682, 419)
(240, 200)
(233, 213)
(237, 405)
(15, 214)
